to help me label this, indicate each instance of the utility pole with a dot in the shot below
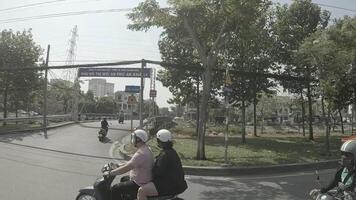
(143, 65)
(45, 96)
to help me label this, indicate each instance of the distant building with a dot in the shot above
(101, 88)
(109, 89)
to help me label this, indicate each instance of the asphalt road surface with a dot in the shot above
(58, 169)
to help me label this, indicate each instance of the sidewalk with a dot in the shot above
(240, 171)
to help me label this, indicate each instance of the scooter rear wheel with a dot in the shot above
(85, 197)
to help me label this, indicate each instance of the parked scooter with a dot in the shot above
(101, 188)
(338, 193)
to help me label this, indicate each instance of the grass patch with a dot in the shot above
(14, 127)
(278, 145)
(267, 150)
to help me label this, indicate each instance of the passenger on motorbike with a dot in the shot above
(140, 167)
(168, 174)
(344, 178)
(105, 124)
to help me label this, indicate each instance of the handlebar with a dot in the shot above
(109, 166)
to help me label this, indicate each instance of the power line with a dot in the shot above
(65, 14)
(30, 5)
(332, 6)
(40, 4)
(336, 7)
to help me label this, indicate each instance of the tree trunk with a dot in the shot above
(310, 104)
(326, 121)
(203, 112)
(334, 121)
(262, 121)
(303, 112)
(255, 115)
(342, 121)
(5, 103)
(197, 107)
(16, 112)
(328, 132)
(243, 123)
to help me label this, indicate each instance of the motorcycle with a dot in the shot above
(101, 188)
(102, 134)
(339, 193)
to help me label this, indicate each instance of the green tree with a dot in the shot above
(18, 50)
(87, 103)
(206, 25)
(62, 90)
(106, 105)
(332, 62)
(292, 25)
(248, 50)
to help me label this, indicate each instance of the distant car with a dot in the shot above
(178, 118)
(33, 113)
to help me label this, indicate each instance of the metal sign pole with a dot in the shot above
(131, 117)
(45, 96)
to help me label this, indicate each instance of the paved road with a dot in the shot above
(35, 174)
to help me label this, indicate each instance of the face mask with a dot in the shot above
(159, 143)
(347, 161)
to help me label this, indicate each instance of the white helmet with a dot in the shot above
(139, 133)
(164, 135)
(350, 147)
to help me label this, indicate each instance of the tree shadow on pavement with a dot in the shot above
(19, 136)
(248, 190)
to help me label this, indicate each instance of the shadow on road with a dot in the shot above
(19, 136)
(106, 140)
(247, 190)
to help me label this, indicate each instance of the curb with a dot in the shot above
(253, 170)
(38, 129)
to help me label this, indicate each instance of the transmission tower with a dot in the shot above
(71, 74)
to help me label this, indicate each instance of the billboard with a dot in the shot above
(114, 72)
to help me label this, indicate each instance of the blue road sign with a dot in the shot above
(114, 72)
(227, 90)
(132, 89)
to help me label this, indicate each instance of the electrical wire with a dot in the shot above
(31, 5)
(336, 7)
(65, 14)
(39, 4)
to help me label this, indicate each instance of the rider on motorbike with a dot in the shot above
(105, 124)
(140, 167)
(168, 174)
(344, 178)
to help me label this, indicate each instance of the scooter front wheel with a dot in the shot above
(85, 197)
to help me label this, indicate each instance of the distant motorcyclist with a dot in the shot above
(168, 174)
(344, 178)
(105, 124)
(140, 167)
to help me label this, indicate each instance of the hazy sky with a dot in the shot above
(104, 36)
